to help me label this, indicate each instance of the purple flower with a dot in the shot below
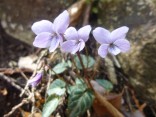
(75, 39)
(34, 81)
(113, 42)
(49, 35)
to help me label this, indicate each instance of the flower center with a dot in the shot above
(53, 35)
(112, 46)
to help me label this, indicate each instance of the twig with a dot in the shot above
(24, 101)
(48, 84)
(12, 82)
(69, 79)
(87, 13)
(140, 107)
(88, 113)
(33, 103)
(39, 66)
(10, 71)
(24, 76)
(128, 99)
(23, 91)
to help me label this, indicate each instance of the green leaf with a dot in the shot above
(70, 88)
(69, 63)
(57, 87)
(79, 101)
(80, 84)
(79, 81)
(60, 68)
(105, 84)
(57, 83)
(57, 91)
(50, 106)
(87, 61)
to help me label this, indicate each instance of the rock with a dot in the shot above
(139, 63)
(17, 16)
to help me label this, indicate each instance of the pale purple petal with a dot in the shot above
(119, 33)
(81, 45)
(122, 44)
(34, 81)
(103, 50)
(42, 40)
(55, 43)
(84, 32)
(71, 34)
(70, 46)
(101, 35)
(62, 22)
(114, 50)
(42, 26)
(75, 49)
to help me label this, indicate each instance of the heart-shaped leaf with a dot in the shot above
(79, 101)
(50, 105)
(57, 91)
(79, 85)
(88, 61)
(57, 83)
(57, 87)
(60, 68)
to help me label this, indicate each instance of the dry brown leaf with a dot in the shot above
(107, 106)
(27, 114)
(75, 11)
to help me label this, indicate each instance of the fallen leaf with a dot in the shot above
(75, 11)
(103, 111)
(27, 114)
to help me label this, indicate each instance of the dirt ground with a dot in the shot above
(10, 51)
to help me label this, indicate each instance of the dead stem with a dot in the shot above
(33, 103)
(24, 101)
(128, 99)
(12, 82)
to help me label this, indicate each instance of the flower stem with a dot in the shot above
(77, 72)
(81, 62)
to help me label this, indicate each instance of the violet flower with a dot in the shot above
(113, 42)
(75, 39)
(36, 80)
(50, 35)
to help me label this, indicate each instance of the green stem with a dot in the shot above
(58, 76)
(87, 56)
(81, 62)
(74, 65)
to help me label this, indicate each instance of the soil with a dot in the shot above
(10, 51)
